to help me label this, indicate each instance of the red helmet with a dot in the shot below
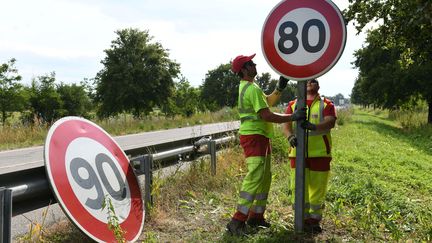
(239, 61)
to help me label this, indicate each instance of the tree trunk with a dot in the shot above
(430, 112)
(4, 117)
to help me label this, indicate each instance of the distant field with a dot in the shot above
(380, 190)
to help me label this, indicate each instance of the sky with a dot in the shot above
(69, 36)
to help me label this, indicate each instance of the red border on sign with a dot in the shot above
(330, 55)
(59, 141)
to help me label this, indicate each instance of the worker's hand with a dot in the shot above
(292, 139)
(307, 125)
(299, 114)
(282, 83)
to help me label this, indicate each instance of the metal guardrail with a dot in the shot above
(144, 163)
(33, 190)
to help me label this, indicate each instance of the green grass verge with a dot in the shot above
(380, 190)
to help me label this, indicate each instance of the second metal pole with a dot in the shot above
(5, 215)
(300, 163)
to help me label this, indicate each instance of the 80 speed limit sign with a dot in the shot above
(86, 168)
(303, 39)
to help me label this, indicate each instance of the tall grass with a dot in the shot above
(344, 115)
(20, 136)
(15, 135)
(410, 118)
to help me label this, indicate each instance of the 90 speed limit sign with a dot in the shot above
(86, 168)
(303, 39)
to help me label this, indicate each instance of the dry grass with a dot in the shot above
(15, 135)
(193, 202)
(12, 137)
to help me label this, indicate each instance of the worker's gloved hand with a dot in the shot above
(299, 114)
(292, 139)
(308, 126)
(282, 83)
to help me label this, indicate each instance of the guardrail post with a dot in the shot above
(147, 167)
(5, 215)
(212, 151)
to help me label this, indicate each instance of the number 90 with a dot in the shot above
(93, 181)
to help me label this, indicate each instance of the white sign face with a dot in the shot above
(302, 36)
(303, 39)
(94, 176)
(86, 168)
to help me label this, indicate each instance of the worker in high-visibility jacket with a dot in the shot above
(256, 130)
(321, 118)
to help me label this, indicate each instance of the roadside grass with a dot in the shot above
(380, 190)
(16, 135)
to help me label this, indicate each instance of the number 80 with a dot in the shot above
(304, 36)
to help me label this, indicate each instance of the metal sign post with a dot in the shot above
(302, 40)
(300, 163)
(5, 214)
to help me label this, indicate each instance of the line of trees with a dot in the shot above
(396, 63)
(137, 77)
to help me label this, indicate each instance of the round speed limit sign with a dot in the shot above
(303, 39)
(86, 168)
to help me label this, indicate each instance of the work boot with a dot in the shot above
(236, 227)
(312, 226)
(255, 223)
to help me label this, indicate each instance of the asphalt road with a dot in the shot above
(27, 158)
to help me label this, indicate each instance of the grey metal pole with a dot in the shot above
(212, 152)
(300, 163)
(148, 174)
(5, 215)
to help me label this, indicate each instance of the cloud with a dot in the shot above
(69, 37)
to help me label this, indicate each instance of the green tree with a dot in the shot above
(338, 99)
(186, 98)
(265, 82)
(11, 98)
(289, 92)
(45, 101)
(357, 94)
(403, 35)
(137, 75)
(383, 80)
(220, 88)
(75, 100)
(268, 85)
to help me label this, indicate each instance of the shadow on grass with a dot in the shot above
(421, 138)
(269, 236)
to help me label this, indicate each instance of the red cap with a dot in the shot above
(239, 61)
